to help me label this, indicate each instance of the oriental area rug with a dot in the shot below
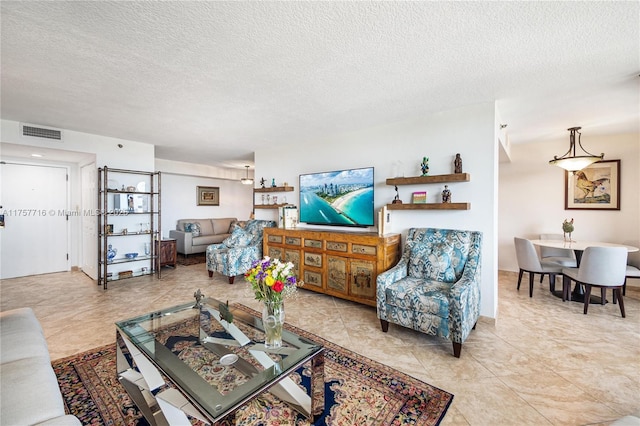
(192, 259)
(358, 391)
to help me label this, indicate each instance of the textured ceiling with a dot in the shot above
(211, 82)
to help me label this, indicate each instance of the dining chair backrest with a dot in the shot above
(526, 255)
(603, 266)
(552, 251)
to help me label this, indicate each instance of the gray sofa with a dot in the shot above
(208, 231)
(29, 391)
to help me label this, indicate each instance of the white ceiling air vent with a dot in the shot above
(40, 132)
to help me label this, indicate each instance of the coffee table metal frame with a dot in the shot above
(142, 361)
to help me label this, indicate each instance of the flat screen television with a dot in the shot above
(339, 198)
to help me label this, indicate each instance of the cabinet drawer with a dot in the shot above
(292, 241)
(362, 249)
(275, 239)
(275, 252)
(313, 243)
(313, 259)
(313, 278)
(335, 246)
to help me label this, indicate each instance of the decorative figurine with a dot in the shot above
(457, 164)
(262, 182)
(567, 227)
(273, 183)
(425, 166)
(396, 199)
(199, 296)
(446, 194)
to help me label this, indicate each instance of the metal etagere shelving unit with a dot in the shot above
(129, 217)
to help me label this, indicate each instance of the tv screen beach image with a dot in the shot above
(343, 197)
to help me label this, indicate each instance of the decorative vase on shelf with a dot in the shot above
(273, 319)
(111, 253)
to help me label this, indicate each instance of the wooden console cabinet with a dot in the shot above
(341, 264)
(167, 252)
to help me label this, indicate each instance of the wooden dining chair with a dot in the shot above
(602, 267)
(528, 261)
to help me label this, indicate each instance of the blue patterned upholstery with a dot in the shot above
(235, 255)
(435, 287)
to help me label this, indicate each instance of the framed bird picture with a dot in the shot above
(596, 187)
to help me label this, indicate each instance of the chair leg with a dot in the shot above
(385, 325)
(210, 274)
(531, 274)
(624, 287)
(457, 348)
(520, 278)
(615, 297)
(566, 284)
(620, 300)
(552, 282)
(587, 296)
(541, 278)
(231, 279)
(603, 295)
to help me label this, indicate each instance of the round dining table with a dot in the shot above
(578, 247)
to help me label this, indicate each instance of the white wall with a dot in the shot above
(532, 196)
(469, 131)
(179, 199)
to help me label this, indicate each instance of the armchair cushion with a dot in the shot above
(432, 261)
(239, 237)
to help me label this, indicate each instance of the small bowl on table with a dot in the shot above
(131, 255)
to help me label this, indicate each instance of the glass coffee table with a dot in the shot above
(207, 360)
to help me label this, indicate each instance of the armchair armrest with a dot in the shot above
(385, 279)
(464, 301)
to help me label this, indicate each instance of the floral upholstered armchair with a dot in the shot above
(435, 288)
(235, 254)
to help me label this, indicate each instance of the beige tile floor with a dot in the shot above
(541, 363)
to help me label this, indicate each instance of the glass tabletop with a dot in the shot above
(215, 354)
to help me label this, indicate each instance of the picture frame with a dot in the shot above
(208, 195)
(596, 187)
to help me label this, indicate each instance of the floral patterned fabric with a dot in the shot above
(435, 288)
(233, 258)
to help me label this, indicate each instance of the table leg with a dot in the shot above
(317, 386)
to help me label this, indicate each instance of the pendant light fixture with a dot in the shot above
(572, 162)
(247, 180)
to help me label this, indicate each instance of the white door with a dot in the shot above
(90, 221)
(34, 239)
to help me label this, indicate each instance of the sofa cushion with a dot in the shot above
(222, 225)
(206, 228)
(238, 238)
(29, 392)
(205, 240)
(194, 228)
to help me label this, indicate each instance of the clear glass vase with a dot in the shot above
(273, 319)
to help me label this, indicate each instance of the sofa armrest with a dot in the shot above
(184, 241)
